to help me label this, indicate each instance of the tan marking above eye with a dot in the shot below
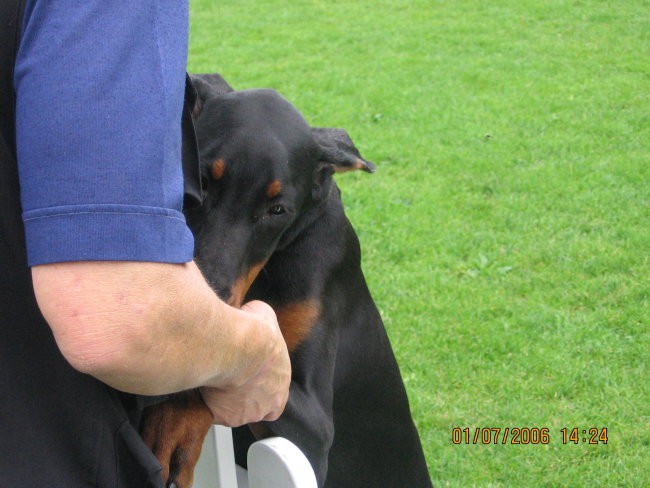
(274, 189)
(218, 168)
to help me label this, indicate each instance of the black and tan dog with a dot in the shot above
(272, 227)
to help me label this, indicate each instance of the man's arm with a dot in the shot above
(99, 95)
(155, 328)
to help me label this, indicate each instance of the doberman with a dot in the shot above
(272, 228)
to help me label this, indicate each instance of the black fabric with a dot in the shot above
(191, 169)
(12, 247)
(10, 17)
(58, 428)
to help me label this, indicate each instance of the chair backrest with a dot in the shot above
(272, 463)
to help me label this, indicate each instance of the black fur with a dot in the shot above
(347, 409)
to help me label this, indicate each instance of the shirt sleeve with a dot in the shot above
(99, 91)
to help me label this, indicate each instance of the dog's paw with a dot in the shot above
(174, 430)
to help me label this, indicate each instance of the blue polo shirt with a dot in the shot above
(99, 90)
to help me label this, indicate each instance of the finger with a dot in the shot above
(272, 416)
(276, 413)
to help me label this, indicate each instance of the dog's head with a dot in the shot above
(263, 168)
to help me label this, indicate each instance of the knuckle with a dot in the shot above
(273, 415)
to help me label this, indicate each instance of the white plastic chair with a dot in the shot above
(272, 463)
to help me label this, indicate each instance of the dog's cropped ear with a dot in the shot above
(208, 86)
(337, 153)
(337, 149)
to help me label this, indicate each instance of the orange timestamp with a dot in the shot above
(526, 435)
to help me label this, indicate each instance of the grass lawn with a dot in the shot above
(506, 233)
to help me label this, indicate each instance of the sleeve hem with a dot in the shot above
(107, 233)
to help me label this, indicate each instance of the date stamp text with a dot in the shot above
(528, 435)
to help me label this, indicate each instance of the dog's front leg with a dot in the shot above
(174, 430)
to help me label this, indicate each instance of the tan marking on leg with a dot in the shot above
(174, 430)
(296, 321)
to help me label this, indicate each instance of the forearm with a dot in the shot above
(148, 328)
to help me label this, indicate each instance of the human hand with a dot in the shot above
(263, 395)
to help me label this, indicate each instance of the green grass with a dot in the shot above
(506, 232)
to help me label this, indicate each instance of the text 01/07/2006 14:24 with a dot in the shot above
(527, 435)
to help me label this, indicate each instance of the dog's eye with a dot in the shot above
(276, 210)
